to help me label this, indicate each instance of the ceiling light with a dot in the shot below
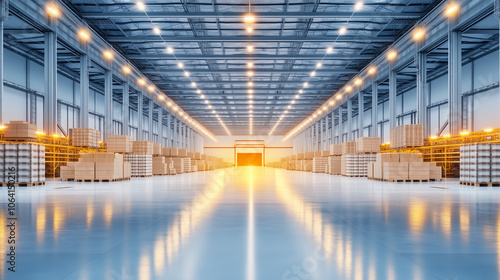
(286, 111)
(161, 97)
(250, 91)
(250, 48)
(151, 88)
(108, 54)
(209, 106)
(250, 73)
(358, 6)
(451, 9)
(329, 50)
(306, 84)
(293, 101)
(84, 34)
(141, 6)
(325, 108)
(250, 101)
(193, 84)
(202, 96)
(250, 64)
(249, 29)
(250, 106)
(372, 70)
(206, 101)
(339, 96)
(313, 73)
(213, 111)
(180, 65)
(126, 69)
(198, 91)
(348, 89)
(392, 55)
(170, 50)
(332, 103)
(250, 83)
(418, 33)
(53, 10)
(301, 90)
(250, 96)
(296, 96)
(289, 106)
(141, 81)
(343, 30)
(358, 81)
(186, 73)
(249, 18)
(319, 64)
(156, 30)
(169, 104)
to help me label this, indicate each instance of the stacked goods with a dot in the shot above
(142, 148)
(160, 167)
(24, 161)
(210, 165)
(170, 166)
(320, 165)
(308, 155)
(142, 165)
(85, 137)
(368, 145)
(182, 165)
(371, 166)
(194, 165)
(197, 156)
(201, 165)
(404, 166)
(120, 144)
(19, 130)
(334, 165)
(97, 166)
(316, 154)
(203, 157)
(157, 149)
(356, 165)
(300, 156)
(480, 164)
(349, 148)
(336, 149)
(182, 153)
(408, 135)
(307, 165)
(325, 153)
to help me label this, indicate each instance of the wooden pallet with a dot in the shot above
(486, 184)
(406, 180)
(142, 175)
(30, 184)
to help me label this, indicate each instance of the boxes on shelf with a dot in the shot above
(308, 155)
(197, 156)
(160, 167)
(27, 160)
(368, 145)
(85, 137)
(416, 168)
(182, 165)
(408, 135)
(142, 165)
(320, 165)
(85, 171)
(300, 156)
(334, 165)
(336, 149)
(19, 130)
(316, 154)
(371, 166)
(157, 149)
(120, 144)
(349, 148)
(182, 153)
(142, 148)
(325, 153)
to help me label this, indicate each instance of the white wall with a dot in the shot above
(224, 147)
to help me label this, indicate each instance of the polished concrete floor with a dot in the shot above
(254, 223)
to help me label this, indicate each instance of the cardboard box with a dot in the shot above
(308, 156)
(85, 137)
(335, 165)
(16, 130)
(371, 166)
(418, 171)
(349, 148)
(157, 149)
(85, 171)
(143, 148)
(120, 144)
(183, 153)
(368, 145)
(336, 149)
(395, 171)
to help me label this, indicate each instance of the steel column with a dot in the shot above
(160, 126)
(140, 96)
(349, 119)
(422, 90)
(150, 119)
(4, 13)
(169, 131)
(455, 81)
(333, 128)
(108, 104)
(50, 69)
(340, 127)
(84, 89)
(374, 130)
(361, 106)
(126, 109)
(393, 122)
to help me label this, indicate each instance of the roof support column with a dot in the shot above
(108, 104)
(422, 90)
(374, 130)
(455, 81)
(349, 119)
(340, 127)
(126, 108)
(150, 119)
(333, 127)
(393, 122)
(50, 69)
(84, 89)
(169, 131)
(160, 126)
(140, 135)
(4, 13)
(361, 113)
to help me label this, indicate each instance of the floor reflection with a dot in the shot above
(255, 223)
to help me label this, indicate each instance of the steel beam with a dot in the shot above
(244, 71)
(340, 127)
(374, 130)
(393, 122)
(455, 81)
(256, 39)
(140, 105)
(169, 130)
(108, 104)
(239, 15)
(160, 126)
(84, 90)
(126, 108)
(4, 13)
(349, 119)
(50, 69)
(421, 61)
(150, 120)
(361, 110)
(255, 57)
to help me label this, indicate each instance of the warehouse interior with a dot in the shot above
(224, 139)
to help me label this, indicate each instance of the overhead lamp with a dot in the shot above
(358, 81)
(141, 81)
(293, 101)
(451, 9)
(213, 111)
(343, 30)
(250, 73)
(209, 106)
(286, 111)
(392, 55)
(181, 113)
(419, 33)
(84, 35)
(250, 91)
(151, 88)
(250, 106)
(193, 84)
(169, 104)
(325, 108)
(140, 6)
(332, 103)
(249, 29)
(202, 96)
(348, 88)
(250, 96)
(250, 48)
(465, 132)
(301, 90)
(372, 70)
(289, 106)
(186, 73)
(296, 96)
(319, 64)
(250, 64)
(250, 111)
(329, 50)
(175, 108)
(339, 96)
(198, 91)
(53, 10)
(108, 54)
(250, 84)
(488, 130)
(170, 50)
(359, 5)
(206, 101)
(180, 65)
(126, 70)
(313, 73)
(161, 97)
(156, 30)
(306, 84)
(249, 18)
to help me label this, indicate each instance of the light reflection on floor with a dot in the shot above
(255, 223)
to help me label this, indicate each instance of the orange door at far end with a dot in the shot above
(249, 159)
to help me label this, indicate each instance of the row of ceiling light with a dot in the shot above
(54, 11)
(419, 32)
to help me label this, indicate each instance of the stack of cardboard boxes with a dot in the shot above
(335, 159)
(356, 165)
(20, 130)
(142, 164)
(182, 164)
(408, 135)
(85, 137)
(120, 144)
(480, 164)
(403, 167)
(97, 166)
(22, 163)
(368, 145)
(142, 148)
